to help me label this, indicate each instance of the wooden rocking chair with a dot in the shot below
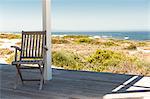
(33, 50)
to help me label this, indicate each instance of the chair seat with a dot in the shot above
(28, 62)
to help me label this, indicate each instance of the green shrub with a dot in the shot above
(131, 47)
(84, 40)
(59, 41)
(109, 61)
(101, 59)
(96, 42)
(66, 60)
(142, 44)
(110, 43)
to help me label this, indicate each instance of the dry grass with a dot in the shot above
(5, 51)
(10, 36)
(18, 43)
(82, 47)
(139, 66)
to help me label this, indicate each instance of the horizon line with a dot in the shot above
(91, 31)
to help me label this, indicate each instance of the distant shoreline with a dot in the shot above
(137, 36)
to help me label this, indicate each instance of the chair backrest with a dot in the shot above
(32, 44)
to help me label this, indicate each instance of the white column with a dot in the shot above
(46, 5)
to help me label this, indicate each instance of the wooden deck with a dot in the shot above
(64, 85)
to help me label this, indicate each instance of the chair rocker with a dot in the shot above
(33, 50)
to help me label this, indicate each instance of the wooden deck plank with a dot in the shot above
(65, 84)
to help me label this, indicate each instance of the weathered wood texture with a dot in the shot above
(32, 44)
(64, 85)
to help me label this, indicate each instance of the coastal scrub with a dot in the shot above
(67, 60)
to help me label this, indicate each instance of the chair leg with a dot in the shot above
(42, 78)
(16, 82)
(41, 84)
(19, 73)
(43, 73)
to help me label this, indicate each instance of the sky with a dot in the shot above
(77, 15)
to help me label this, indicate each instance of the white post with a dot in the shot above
(46, 5)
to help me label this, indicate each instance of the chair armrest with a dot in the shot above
(16, 48)
(45, 48)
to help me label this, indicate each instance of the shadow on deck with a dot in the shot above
(64, 85)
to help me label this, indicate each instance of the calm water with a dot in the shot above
(118, 35)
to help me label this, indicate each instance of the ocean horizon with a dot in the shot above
(116, 35)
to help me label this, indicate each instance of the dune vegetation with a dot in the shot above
(99, 54)
(9, 36)
(5, 51)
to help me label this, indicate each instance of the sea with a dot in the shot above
(140, 36)
(116, 35)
